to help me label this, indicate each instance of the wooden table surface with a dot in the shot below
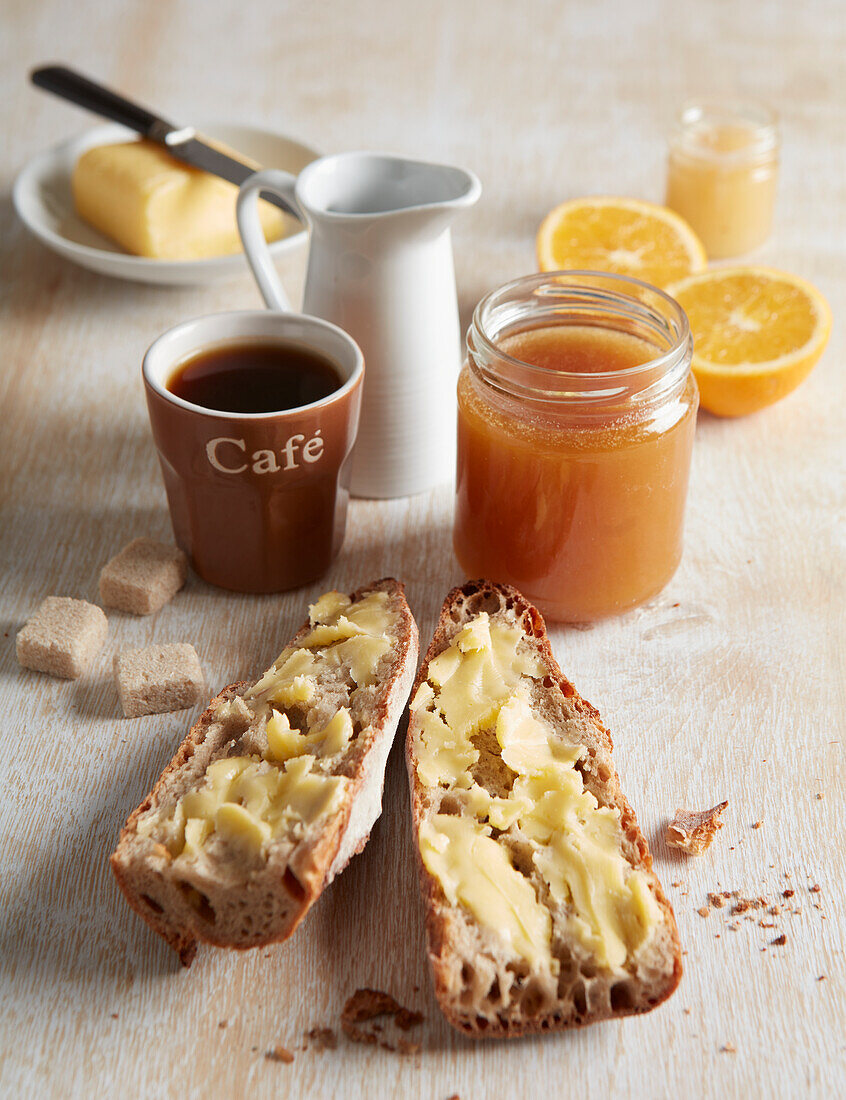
(728, 685)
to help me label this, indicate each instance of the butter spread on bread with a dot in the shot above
(542, 908)
(278, 784)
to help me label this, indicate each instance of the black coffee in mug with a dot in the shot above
(255, 377)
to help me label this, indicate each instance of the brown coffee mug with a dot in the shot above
(258, 501)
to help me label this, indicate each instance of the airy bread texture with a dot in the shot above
(485, 987)
(62, 637)
(226, 889)
(143, 576)
(158, 678)
(693, 831)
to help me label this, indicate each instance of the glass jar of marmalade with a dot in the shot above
(576, 416)
(722, 173)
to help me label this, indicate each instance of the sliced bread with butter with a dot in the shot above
(542, 909)
(278, 784)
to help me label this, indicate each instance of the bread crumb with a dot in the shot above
(743, 905)
(323, 1038)
(704, 911)
(821, 978)
(816, 888)
(779, 941)
(693, 831)
(405, 1019)
(717, 900)
(728, 1048)
(757, 824)
(788, 894)
(279, 1054)
(819, 798)
(367, 1004)
(223, 1023)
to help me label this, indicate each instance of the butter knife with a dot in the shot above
(181, 142)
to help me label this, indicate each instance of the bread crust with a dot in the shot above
(441, 929)
(282, 892)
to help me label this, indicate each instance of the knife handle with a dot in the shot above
(86, 93)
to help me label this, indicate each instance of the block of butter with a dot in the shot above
(152, 205)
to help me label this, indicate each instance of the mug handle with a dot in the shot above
(279, 183)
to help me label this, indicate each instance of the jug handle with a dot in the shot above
(278, 183)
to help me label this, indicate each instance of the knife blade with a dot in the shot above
(182, 142)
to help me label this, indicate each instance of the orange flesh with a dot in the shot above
(585, 518)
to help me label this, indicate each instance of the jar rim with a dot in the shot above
(597, 289)
(696, 117)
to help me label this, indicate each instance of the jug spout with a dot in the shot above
(355, 188)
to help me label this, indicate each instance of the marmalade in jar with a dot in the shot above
(574, 444)
(722, 173)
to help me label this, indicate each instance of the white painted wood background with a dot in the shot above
(729, 685)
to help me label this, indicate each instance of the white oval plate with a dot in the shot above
(43, 200)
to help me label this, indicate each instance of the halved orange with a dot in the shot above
(757, 333)
(624, 236)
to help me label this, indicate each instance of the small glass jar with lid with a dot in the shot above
(576, 416)
(722, 173)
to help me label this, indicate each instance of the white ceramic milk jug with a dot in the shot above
(380, 266)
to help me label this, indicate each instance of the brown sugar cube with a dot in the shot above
(143, 576)
(158, 678)
(62, 637)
